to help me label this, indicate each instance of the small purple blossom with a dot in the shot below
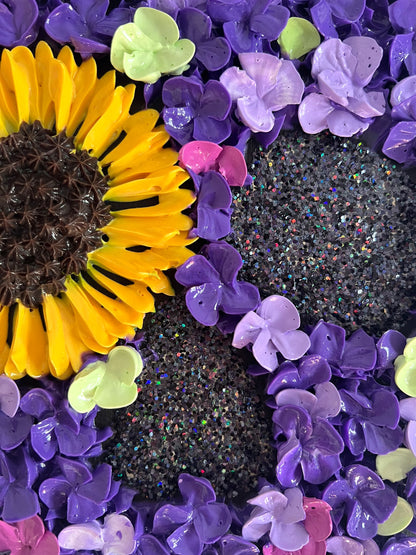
(86, 24)
(279, 515)
(18, 22)
(247, 24)
(341, 104)
(78, 494)
(194, 110)
(264, 85)
(363, 498)
(213, 287)
(272, 328)
(212, 52)
(199, 521)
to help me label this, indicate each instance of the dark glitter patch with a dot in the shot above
(331, 225)
(197, 411)
(50, 212)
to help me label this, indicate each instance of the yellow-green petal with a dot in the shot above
(399, 519)
(298, 38)
(395, 465)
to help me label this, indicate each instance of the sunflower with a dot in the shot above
(90, 212)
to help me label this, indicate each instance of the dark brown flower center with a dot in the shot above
(50, 212)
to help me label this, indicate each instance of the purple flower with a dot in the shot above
(265, 85)
(200, 521)
(18, 22)
(78, 494)
(212, 52)
(86, 24)
(213, 285)
(196, 111)
(28, 537)
(400, 143)
(327, 15)
(280, 515)
(310, 370)
(59, 428)
(372, 419)
(310, 448)
(342, 70)
(115, 535)
(272, 328)
(247, 23)
(363, 498)
(18, 472)
(213, 207)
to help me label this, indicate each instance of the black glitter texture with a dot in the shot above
(331, 225)
(197, 411)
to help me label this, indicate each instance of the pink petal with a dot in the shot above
(313, 113)
(263, 68)
(288, 89)
(199, 156)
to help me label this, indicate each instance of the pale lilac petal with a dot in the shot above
(253, 112)
(264, 351)
(345, 124)
(313, 113)
(238, 83)
(368, 54)
(81, 536)
(287, 90)
(247, 330)
(263, 68)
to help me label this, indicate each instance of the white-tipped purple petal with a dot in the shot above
(368, 55)
(81, 536)
(263, 68)
(313, 113)
(288, 89)
(345, 124)
(238, 83)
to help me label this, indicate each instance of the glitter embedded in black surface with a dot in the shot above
(197, 411)
(331, 225)
(50, 212)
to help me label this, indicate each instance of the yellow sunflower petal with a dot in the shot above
(29, 346)
(16, 79)
(84, 83)
(99, 103)
(58, 356)
(23, 57)
(135, 294)
(164, 205)
(163, 182)
(62, 90)
(110, 124)
(44, 58)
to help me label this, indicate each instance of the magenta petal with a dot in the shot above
(313, 113)
(185, 541)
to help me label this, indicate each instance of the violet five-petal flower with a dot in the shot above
(264, 85)
(342, 69)
(200, 521)
(115, 535)
(272, 328)
(86, 24)
(363, 498)
(27, 536)
(18, 22)
(213, 287)
(78, 494)
(280, 515)
(194, 110)
(306, 447)
(248, 23)
(212, 52)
